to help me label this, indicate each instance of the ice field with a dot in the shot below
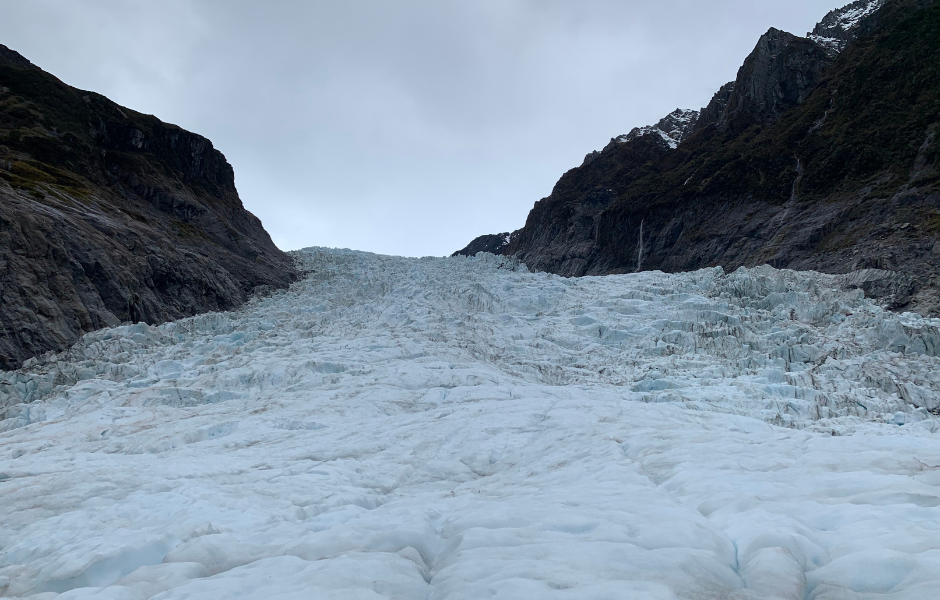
(460, 428)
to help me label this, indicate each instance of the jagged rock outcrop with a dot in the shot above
(494, 244)
(840, 26)
(779, 74)
(108, 215)
(809, 160)
(715, 110)
(670, 131)
(632, 154)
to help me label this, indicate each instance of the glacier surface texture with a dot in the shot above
(459, 428)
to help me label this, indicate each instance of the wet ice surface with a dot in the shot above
(454, 428)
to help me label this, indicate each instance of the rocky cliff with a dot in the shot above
(818, 156)
(779, 74)
(671, 130)
(108, 215)
(840, 26)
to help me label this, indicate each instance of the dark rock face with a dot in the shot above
(808, 160)
(669, 132)
(779, 74)
(108, 215)
(492, 243)
(713, 113)
(561, 231)
(679, 124)
(673, 129)
(840, 26)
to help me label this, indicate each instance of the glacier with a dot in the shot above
(461, 428)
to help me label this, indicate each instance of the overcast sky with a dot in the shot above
(400, 127)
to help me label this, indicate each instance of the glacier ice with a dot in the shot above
(461, 428)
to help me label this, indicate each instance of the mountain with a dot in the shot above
(838, 27)
(672, 130)
(819, 155)
(108, 215)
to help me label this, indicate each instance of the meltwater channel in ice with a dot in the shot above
(460, 428)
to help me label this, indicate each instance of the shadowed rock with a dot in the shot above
(810, 159)
(108, 215)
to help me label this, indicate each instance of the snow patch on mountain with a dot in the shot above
(673, 128)
(461, 428)
(837, 28)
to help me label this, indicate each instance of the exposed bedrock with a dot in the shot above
(779, 74)
(815, 157)
(108, 216)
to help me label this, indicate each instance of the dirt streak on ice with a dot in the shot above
(460, 428)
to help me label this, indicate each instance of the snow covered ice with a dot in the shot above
(460, 428)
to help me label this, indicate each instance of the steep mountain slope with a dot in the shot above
(108, 215)
(838, 27)
(811, 159)
(673, 129)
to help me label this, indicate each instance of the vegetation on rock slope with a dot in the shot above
(838, 175)
(108, 215)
